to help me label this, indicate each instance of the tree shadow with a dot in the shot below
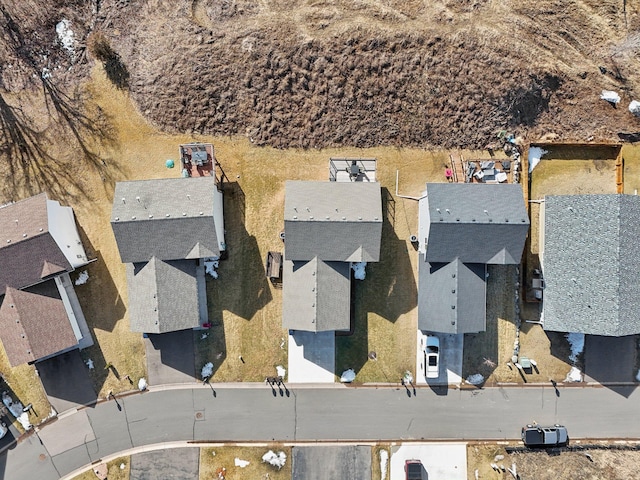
(24, 146)
(116, 71)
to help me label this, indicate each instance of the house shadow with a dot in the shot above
(170, 357)
(99, 297)
(481, 350)
(389, 290)
(242, 287)
(612, 362)
(66, 381)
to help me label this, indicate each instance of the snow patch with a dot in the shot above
(610, 96)
(574, 375)
(82, 278)
(475, 379)
(211, 266)
(634, 107)
(275, 459)
(535, 154)
(240, 463)
(207, 370)
(17, 410)
(281, 371)
(384, 459)
(359, 270)
(576, 341)
(348, 376)
(89, 363)
(66, 36)
(142, 384)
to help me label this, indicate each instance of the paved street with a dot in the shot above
(327, 413)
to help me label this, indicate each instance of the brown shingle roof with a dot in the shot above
(34, 323)
(28, 252)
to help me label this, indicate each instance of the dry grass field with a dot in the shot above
(213, 459)
(606, 464)
(115, 472)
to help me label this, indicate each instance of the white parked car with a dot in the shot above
(432, 357)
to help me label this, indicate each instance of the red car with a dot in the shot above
(413, 470)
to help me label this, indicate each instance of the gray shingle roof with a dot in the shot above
(28, 252)
(316, 295)
(452, 297)
(169, 219)
(333, 221)
(163, 295)
(475, 223)
(590, 265)
(34, 323)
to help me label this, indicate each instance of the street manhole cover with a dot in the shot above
(199, 415)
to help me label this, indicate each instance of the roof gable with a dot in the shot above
(170, 219)
(34, 323)
(333, 221)
(163, 295)
(475, 223)
(316, 295)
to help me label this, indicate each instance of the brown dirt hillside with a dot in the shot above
(318, 73)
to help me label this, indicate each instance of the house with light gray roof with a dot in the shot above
(328, 226)
(165, 229)
(462, 229)
(589, 264)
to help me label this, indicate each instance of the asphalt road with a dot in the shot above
(245, 413)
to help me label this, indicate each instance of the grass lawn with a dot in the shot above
(214, 459)
(115, 472)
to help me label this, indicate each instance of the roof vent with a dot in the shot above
(486, 212)
(123, 200)
(453, 275)
(457, 219)
(310, 217)
(344, 218)
(447, 210)
(184, 214)
(359, 218)
(9, 240)
(506, 220)
(201, 213)
(295, 217)
(327, 217)
(41, 230)
(117, 218)
(453, 307)
(150, 216)
(133, 217)
(138, 199)
(438, 210)
(570, 209)
(24, 235)
(167, 215)
(473, 219)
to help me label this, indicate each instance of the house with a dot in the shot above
(328, 226)
(589, 264)
(40, 315)
(462, 229)
(165, 230)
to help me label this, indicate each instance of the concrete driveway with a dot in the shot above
(609, 359)
(451, 348)
(311, 357)
(319, 463)
(170, 357)
(441, 461)
(65, 378)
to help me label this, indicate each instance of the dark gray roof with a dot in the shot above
(169, 219)
(316, 295)
(163, 295)
(452, 297)
(475, 223)
(28, 252)
(333, 221)
(590, 265)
